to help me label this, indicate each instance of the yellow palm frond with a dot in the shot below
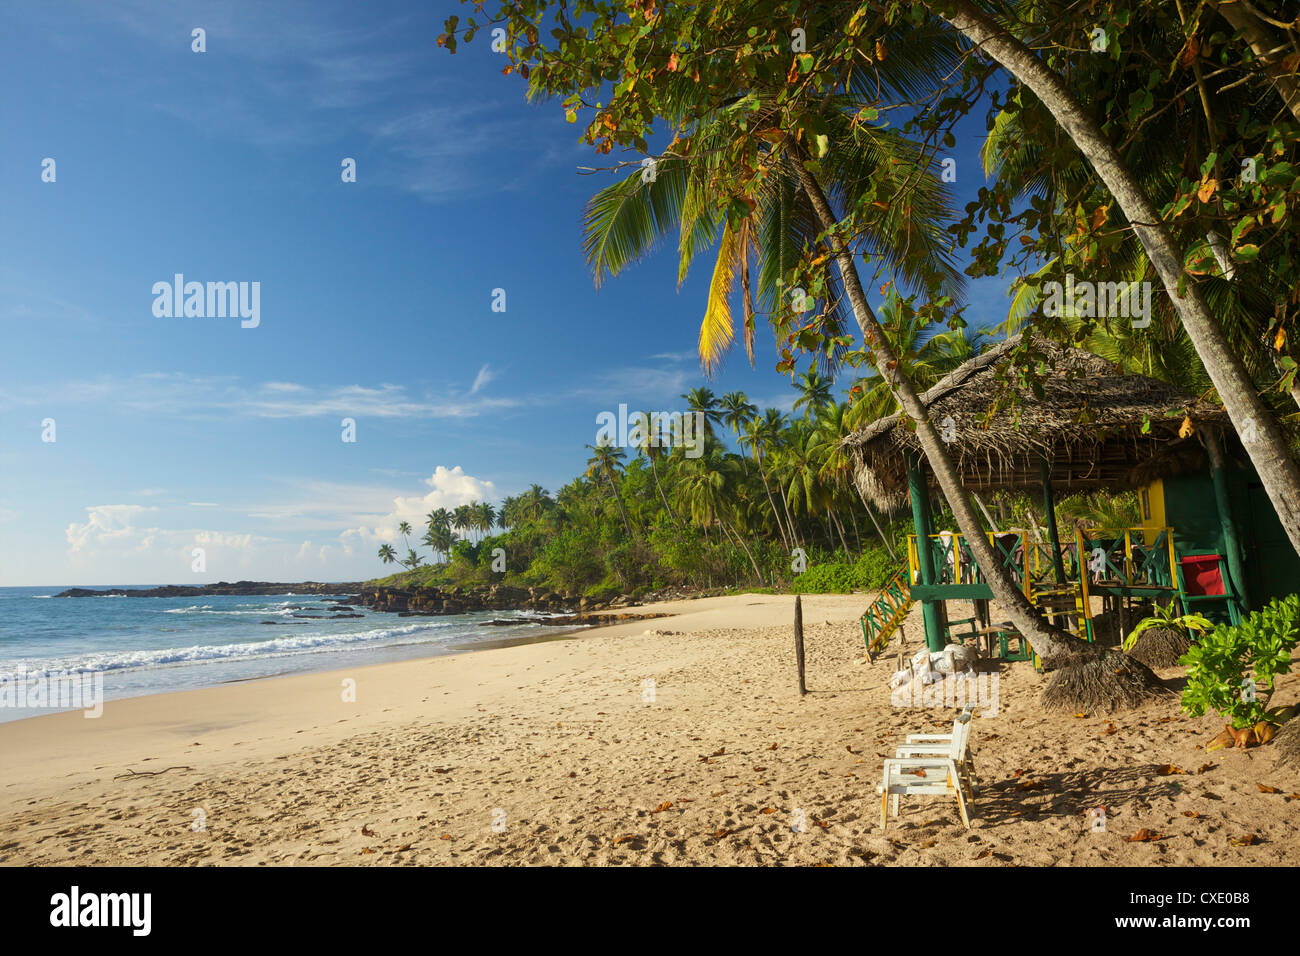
(716, 330)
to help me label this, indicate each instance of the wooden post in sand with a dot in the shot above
(798, 642)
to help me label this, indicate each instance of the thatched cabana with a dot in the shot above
(1086, 425)
(1095, 425)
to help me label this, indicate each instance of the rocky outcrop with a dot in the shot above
(222, 587)
(413, 602)
(496, 597)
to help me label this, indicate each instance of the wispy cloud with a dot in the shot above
(485, 375)
(187, 396)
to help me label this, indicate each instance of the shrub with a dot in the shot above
(870, 572)
(1217, 667)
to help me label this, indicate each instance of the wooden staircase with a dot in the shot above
(881, 620)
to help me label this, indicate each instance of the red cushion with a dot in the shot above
(1201, 575)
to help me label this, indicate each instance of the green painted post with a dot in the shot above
(1231, 541)
(1049, 504)
(935, 638)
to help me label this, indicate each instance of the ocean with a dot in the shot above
(143, 646)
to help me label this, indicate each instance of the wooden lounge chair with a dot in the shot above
(929, 775)
(940, 745)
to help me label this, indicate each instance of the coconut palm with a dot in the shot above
(737, 410)
(703, 400)
(648, 444)
(387, 554)
(606, 461)
(814, 392)
(462, 518)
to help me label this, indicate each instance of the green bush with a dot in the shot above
(1232, 669)
(870, 572)
(831, 577)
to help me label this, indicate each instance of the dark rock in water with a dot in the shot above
(340, 607)
(314, 617)
(501, 623)
(339, 617)
(221, 587)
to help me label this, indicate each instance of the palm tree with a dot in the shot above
(927, 354)
(705, 487)
(506, 517)
(702, 400)
(535, 502)
(814, 392)
(387, 554)
(1276, 467)
(762, 434)
(606, 460)
(462, 518)
(737, 410)
(649, 445)
(485, 517)
(404, 529)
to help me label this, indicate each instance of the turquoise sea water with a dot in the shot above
(154, 645)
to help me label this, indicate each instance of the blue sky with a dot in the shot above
(176, 433)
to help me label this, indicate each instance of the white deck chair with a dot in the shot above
(941, 745)
(932, 774)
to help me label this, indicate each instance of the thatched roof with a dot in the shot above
(1088, 423)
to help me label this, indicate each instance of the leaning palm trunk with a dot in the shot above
(741, 541)
(879, 530)
(762, 474)
(1052, 643)
(627, 525)
(1270, 50)
(672, 514)
(1268, 452)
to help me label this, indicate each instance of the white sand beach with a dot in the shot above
(554, 753)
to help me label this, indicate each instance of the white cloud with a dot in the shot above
(451, 488)
(485, 375)
(104, 523)
(173, 393)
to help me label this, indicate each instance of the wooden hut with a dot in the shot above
(1208, 536)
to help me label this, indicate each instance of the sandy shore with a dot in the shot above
(552, 753)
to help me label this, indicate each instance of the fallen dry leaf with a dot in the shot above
(1144, 836)
(366, 831)
(1168, 770)
(366, 849)
(1265, 788)
(1249, 839)
(403, 848)
(666, 805)
(1206, 767)
(983, 853)
(719, 834)
(1030, 785)
(768, 810)
(927, 844)
(624, 838)
(1110, 729)
(1081, 715)
(446, 836)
